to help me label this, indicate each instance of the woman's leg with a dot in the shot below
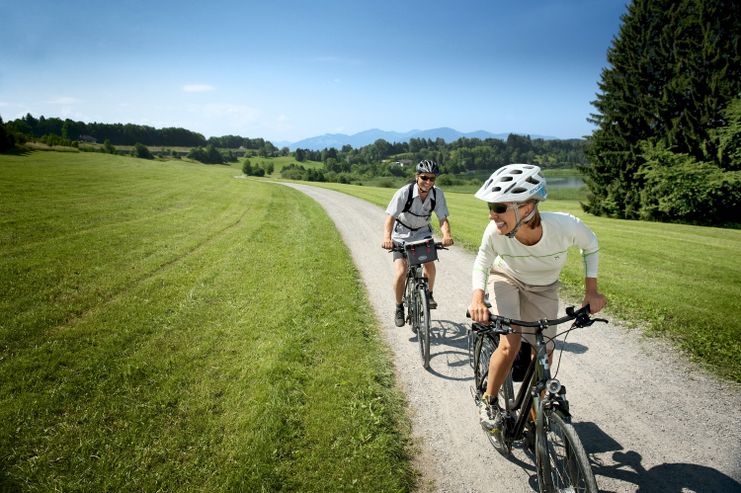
(501, 361)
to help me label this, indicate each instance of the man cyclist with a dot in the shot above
(522, 253)
(408, 219)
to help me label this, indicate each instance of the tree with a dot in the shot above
(108, 147)
(7, 141)
(141, 151)
(678, 188)
(674, 66)
(729, 137)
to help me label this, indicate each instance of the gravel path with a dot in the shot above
(650, 421)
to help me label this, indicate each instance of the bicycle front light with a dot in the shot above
(553, 386)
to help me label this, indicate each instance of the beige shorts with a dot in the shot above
(514, 299)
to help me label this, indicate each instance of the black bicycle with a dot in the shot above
(416, 290)
(538, 416)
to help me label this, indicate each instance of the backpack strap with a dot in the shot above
(410, 199)
(408, 206)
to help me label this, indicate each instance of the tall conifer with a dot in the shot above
(673, 68)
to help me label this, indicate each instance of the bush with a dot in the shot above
(108, 147)
(141, 151)
(680, 189)
(209, 155)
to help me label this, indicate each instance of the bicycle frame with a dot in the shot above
(535, 393)
(529, 394)
(416, 298)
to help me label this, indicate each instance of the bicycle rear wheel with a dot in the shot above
(423, 325)
(560, 459)
(482, 351)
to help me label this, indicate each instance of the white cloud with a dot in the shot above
(198, 88)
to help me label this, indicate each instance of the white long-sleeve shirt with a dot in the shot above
(538, 264)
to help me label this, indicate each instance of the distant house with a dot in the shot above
(87, 139)
(403, 162)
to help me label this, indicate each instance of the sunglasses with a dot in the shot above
(427, 178)
(498, 208)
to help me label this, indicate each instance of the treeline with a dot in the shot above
(668, 141)
(457, 157)
(127, 134)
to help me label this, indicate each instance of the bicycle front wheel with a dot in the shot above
(560, 458)
(423, 325)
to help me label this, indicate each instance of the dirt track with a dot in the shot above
(650, 422)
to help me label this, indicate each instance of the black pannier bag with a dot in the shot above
(522, 361)
(420, 252)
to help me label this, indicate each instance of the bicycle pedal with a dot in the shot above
(474, 394)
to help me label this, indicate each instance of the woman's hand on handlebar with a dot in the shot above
(477, 310)
(595, 300)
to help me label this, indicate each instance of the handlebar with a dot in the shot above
(503, 325)
(400, 247)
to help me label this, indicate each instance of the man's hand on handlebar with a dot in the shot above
(387, 244)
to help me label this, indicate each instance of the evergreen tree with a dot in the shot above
(6, 138)
(674, 67)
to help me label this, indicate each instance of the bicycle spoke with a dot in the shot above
(565, 466)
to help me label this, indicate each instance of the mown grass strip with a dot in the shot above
(167, 327)
(679, 281)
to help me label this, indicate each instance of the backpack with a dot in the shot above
(408, 205)
(410, 198)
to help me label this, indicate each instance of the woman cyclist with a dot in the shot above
(522, 253)
(408, 219)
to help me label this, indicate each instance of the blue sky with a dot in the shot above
(286, 70)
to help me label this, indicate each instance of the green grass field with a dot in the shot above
(167, 327)
(682, 282)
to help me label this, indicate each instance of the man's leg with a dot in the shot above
(400, 270)
(430, 270)
(400, 273)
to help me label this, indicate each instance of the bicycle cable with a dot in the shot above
(563, 343)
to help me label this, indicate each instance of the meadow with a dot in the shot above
(164, 327)
(676, 281)
(167, 325)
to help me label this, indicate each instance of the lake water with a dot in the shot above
(567, 181)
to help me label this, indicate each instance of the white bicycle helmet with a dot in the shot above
(428, 166)
(514, 183)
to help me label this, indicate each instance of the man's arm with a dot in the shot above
(388, 226)
(445, 230)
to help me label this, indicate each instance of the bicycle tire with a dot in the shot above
(411, 317)
(483, 349)
(560, 459)
(423, 325)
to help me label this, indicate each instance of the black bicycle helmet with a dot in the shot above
(427, 166)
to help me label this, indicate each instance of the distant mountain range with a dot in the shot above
(370, 136)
